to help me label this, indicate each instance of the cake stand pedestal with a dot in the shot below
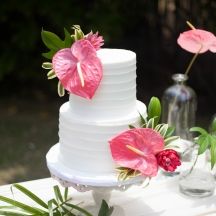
(100, 185)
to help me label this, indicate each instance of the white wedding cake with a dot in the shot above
(86, 126)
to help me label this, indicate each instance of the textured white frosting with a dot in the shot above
(85, 126)
(116, 94)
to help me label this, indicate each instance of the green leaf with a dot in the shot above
(58, 193)
(79, 209)
(150, 123)
(213, 125)
(105, 210)
(143, 121)
(213, 153)
(131, 126)
(157, 127)
(203, 141)
(69, 39)
(51, 40)
(21, 205)
(199, 130)
(66, 193)
(154, 109)
(169, 132)
(12, 213)
(163, 130)
(54, 202)
(61, 90)
(31, 195)
(50, 207)
(51, 74)
(49, 54)
(78, 33)
(47, 65)
(168, 140)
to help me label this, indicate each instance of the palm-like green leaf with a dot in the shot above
(86, 213)
(50, 207)
(12, 213)
(31, 195)
(20, 205)
(55, 207)
(66, 193)
(58, 195)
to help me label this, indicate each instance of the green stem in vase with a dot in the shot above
(195, 161)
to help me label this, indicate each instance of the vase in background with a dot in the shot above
(196, 178)
(179, 104)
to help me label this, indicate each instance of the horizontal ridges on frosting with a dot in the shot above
(84, 144)
(116, 95)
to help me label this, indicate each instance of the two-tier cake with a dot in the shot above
(94, 136)
(86, 126)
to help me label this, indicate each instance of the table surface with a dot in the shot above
(160, 198)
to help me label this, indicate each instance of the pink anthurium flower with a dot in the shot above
(197, 40)
(78, 68)
(137, 149)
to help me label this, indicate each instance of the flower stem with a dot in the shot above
(192, 60)
(192, 167)
(190, 25)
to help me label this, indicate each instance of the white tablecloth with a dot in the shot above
(160, 198)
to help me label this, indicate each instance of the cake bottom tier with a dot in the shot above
(84, 146)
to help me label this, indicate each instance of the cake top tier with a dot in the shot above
(115, 97)
(116, 57)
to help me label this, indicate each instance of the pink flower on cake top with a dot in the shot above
(74, 61)
(78, 68)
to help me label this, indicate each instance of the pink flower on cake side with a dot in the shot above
(197, 40)
(136, 149)
(95, 40)
(78, 68)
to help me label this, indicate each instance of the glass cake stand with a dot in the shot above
(100, 185)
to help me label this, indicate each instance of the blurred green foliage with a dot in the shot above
(150, 28)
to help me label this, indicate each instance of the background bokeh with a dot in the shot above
(29, 103)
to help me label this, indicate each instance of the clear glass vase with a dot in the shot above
(179, 104)
(196, 178)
